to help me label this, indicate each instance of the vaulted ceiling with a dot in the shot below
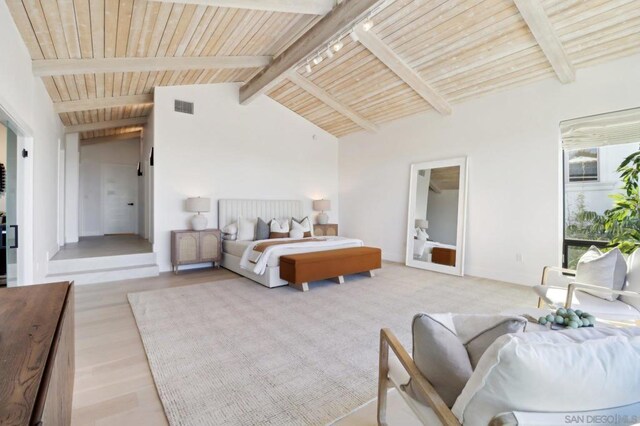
(101, 59)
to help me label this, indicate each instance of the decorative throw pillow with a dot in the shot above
(262, 230)
(246, 229)
(602, 269)
(278, 229)
(304, 225)
(633, 279)
(440, 356)
(230, 232)
(447, 347)
(296, 233)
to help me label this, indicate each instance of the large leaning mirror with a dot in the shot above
(437, 210)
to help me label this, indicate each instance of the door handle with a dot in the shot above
(130, 204)
(15, 230)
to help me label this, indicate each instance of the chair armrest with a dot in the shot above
(574, 286)
(547, 269)
(388, 339)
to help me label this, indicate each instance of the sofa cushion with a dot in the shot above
(633, 280)
(600, 308)
(531, 372)
(478, 332)
(446, 348)
(602, 269)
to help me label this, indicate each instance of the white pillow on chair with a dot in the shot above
(633, 279)
(602, 269)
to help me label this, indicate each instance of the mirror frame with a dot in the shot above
(461, 222)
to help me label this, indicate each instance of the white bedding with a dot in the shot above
(271, 255)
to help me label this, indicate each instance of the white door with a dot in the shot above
(120, 198)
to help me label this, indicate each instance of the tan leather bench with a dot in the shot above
(299, 269)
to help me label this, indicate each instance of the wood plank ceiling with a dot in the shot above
(456, 49)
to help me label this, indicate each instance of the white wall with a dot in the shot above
(443, 216)
(92, 158)
(227, 150)
(72, 188)
(25, 99)
(512, 140)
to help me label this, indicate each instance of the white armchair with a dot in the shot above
(568, 293)
(504, 386)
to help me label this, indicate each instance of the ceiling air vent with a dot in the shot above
(183, 107)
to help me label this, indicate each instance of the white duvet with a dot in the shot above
(256, 262)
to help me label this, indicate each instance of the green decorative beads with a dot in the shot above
(568, 318)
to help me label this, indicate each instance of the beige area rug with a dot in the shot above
(236, 353)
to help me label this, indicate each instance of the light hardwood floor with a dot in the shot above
(113, 383)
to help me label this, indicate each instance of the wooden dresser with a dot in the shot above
(328, 230)
(190, 247)
(36, 355)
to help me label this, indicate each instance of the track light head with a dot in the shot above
(367, 25)
(329, 53)
(354, 36)
(317, 60)
(308, 68)
(337, 46)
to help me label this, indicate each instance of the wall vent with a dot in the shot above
(183, 107)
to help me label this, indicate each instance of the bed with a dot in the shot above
(267, 272)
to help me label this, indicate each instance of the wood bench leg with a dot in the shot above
(339, 279)
(301, 287)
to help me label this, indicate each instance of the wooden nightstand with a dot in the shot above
(328, 230)
(189, 247)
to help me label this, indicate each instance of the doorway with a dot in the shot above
(10, 240)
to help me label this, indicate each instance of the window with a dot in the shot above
(583, 165)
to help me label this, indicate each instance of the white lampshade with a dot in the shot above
(321, 205)
(198, 205)
(422, 223)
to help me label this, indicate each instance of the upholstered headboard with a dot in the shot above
(230, 210)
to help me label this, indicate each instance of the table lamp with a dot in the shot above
(322, 206)
(198, 205)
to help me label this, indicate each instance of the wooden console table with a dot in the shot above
(37, 353)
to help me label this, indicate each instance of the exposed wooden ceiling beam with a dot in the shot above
(112, 138)
(536, 18)
(96, 103)
(328, 99)
(101, 125)
(340, 18)
(307, 7)
(407, 74)
(50, 67)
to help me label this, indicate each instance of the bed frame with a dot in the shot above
(230, 210)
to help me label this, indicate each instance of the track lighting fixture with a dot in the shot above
(329, 52)
(317, 60)
(308, 68)
(354, 36)
(338, 45)
(367, 24)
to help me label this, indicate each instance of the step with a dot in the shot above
(102, 262)
(95, 276)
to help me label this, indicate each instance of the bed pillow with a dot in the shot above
(421, 235)
(246, 229)
(230, 232)
(262, 230)
(633, 279)
(304, 225)
(278, 229)
(602, 269)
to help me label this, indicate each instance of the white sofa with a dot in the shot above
(562, 288)
(521, 378)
